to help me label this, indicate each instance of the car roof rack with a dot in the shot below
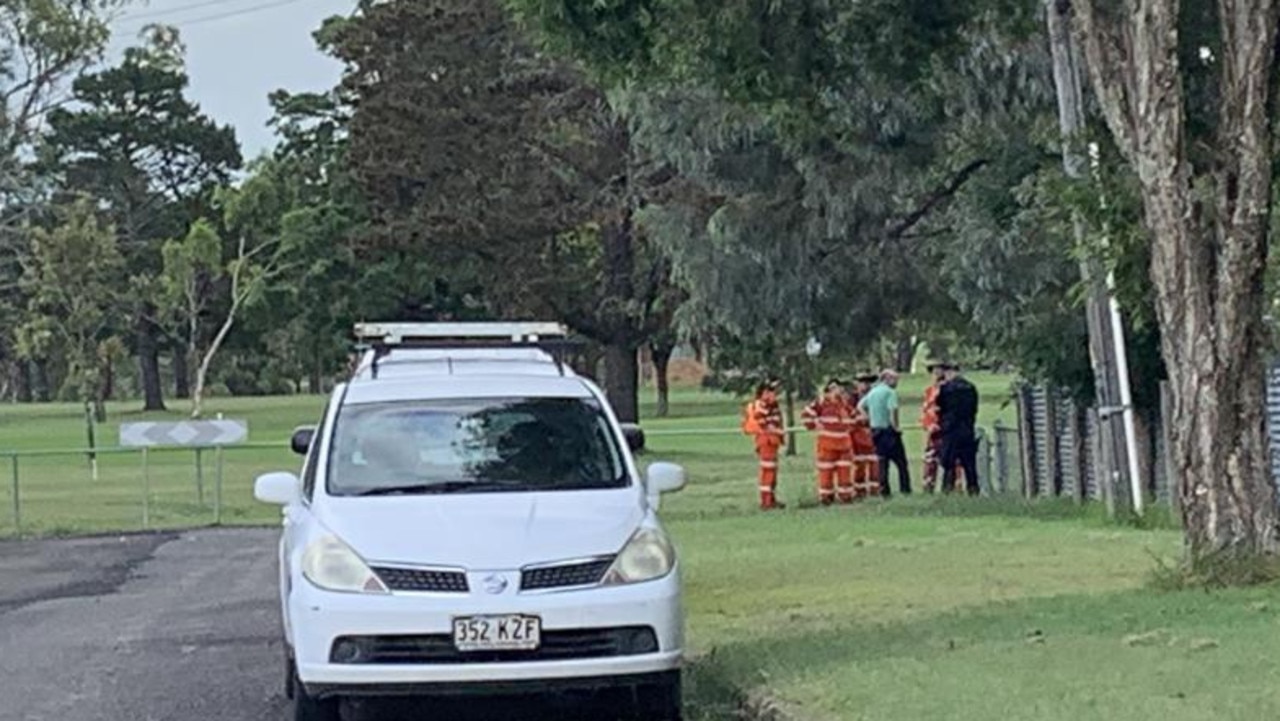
(382, 338)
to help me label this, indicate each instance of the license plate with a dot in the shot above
(497, 633)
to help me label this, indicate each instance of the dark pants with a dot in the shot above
(890, 450)
(960, 448)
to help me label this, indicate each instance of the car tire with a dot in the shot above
(289, 676)
(661, 700)
(309, 708)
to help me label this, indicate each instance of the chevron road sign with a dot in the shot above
(184, 433)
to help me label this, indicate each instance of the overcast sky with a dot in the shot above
(238, 51)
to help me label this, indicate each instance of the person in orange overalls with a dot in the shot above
(832, 417)
(866, 464)
(932, 424)
(764, 422)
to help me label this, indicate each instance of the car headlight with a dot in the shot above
(647, 556)
(332, 565)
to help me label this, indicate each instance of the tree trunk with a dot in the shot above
(592, 359)
(148, 361)
(1068, 76)
(905, 353)
(106, 389)
(314, 382)
(622, 380)
(1207, 266)
(181, 373)
(22, 381)
(661, 367)
(43, 393)
(238, 296)
(619, 327)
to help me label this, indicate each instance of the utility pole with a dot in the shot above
(1106, 331)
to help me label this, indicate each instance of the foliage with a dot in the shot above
(73, 278)
(192, 266)
(811, 151)
(133, 140)
(505, 174)
(44, 44)
(136, 142)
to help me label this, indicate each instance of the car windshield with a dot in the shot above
(473, 446)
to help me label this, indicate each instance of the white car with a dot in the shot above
(470, 519)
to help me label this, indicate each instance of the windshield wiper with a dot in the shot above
(435, 488)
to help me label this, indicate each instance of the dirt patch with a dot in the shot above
(711, 696)
(45, 570)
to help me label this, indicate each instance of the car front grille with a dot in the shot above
(409, 579)
(439, 649)
(577, 574)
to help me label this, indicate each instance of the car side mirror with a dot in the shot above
(301, 440)
(281, 488)
(663, 478)
(634, 435)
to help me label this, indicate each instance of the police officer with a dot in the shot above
(958, 420)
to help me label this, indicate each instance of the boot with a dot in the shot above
(769, 502)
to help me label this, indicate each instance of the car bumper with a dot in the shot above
(319, 618)
(580, 684)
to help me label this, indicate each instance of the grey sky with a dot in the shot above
(238, 51)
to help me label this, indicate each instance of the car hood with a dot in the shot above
(485, 531)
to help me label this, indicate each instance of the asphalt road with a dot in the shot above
(178, 627)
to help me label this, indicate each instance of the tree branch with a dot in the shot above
(939, 196)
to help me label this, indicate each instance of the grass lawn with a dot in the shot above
(923, 608)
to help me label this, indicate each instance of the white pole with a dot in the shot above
(1126, 397)
(1122, 363)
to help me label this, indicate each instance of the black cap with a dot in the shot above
(868, 378)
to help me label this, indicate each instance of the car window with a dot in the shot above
(474, 445)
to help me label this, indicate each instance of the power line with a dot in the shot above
(221, 16)
(130, 17)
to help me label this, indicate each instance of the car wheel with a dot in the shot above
(660, 700)
(289, 684)
(309, 708)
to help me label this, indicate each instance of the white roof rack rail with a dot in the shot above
(437, 334)
(382, 338)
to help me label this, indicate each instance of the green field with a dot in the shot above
(923, 608)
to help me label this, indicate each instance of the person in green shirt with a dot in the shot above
(881, 406)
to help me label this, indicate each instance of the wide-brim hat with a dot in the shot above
(867, 378)
(941, 365)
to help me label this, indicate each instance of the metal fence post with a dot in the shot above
(200, 475)
(984, 443)
(1002, 461)
(217, 487)
(17, 503)
(146, 490)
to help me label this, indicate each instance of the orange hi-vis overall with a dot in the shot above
(933, 439)
(833, 421)
(765, 422)
(866, 464)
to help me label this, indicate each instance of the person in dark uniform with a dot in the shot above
(958, 421)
